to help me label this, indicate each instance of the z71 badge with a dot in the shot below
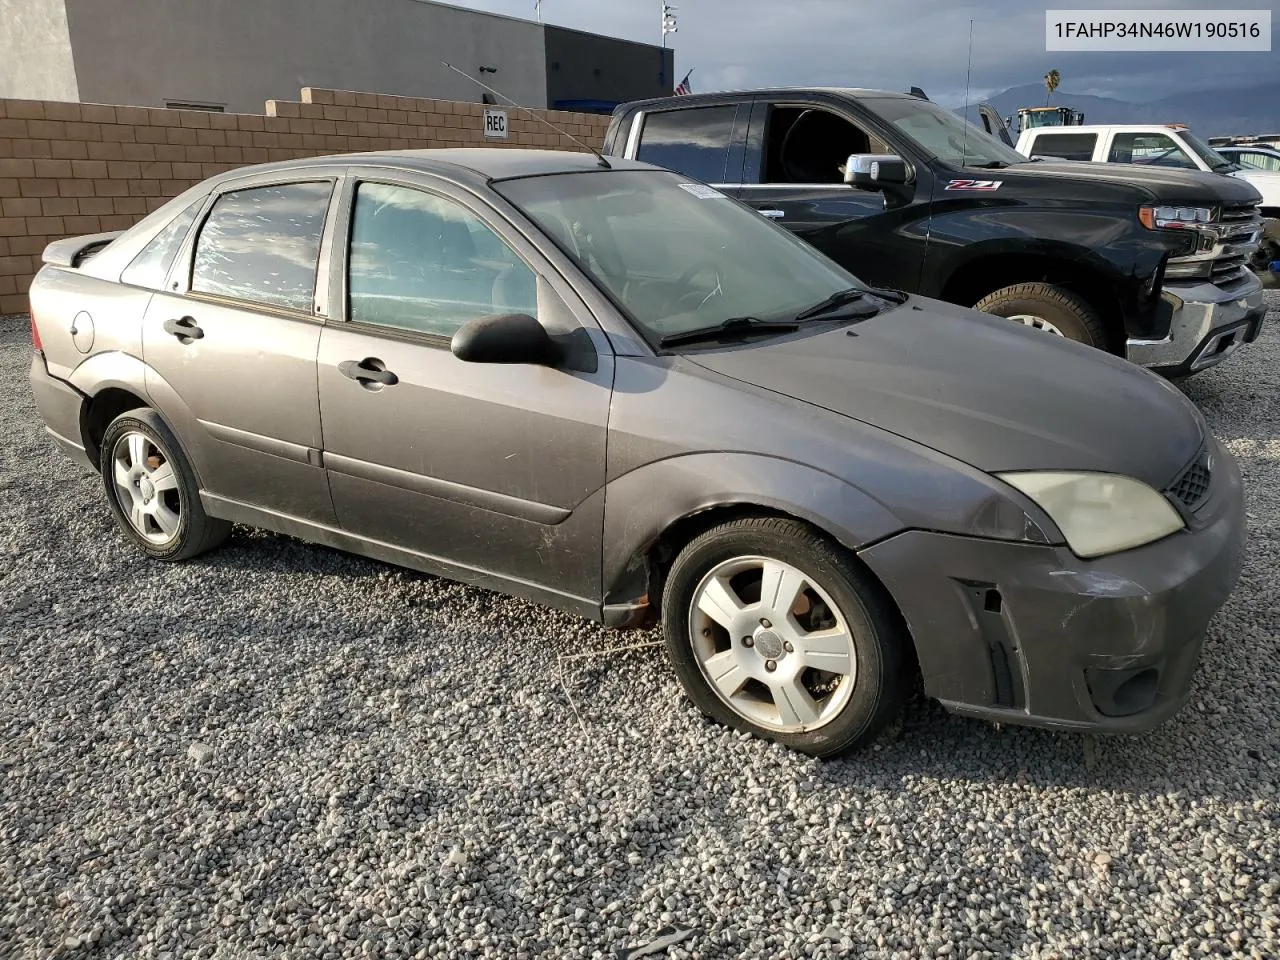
(986, 185)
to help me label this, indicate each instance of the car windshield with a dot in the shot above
(1210, 156)
(942, 134)
(677, 256)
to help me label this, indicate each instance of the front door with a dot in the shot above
(230, 347)
(795, 175)
(497, 469)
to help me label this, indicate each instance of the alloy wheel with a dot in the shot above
(1036, 323)
(772, 644)
(146, 487)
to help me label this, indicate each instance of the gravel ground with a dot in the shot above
(280, 750)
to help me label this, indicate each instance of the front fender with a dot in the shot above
(642, 504)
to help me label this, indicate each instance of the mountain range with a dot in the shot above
(1209, 113)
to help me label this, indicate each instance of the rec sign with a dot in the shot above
(495, 124)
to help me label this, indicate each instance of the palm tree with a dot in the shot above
(1052, 80)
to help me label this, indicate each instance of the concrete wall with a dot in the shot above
(35, 51)
(584, 66)
(238, 53)
(71, 168)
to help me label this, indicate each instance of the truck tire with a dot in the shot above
(1049, 308)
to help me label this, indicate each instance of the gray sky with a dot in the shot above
(894, 44)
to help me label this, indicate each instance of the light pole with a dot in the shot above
(669, 24)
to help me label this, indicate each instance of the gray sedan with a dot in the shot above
(610, 389)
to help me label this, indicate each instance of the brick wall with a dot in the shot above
(75, 168)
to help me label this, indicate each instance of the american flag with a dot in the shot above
(685, 88)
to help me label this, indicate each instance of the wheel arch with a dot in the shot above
(644, 533)
(987, 271)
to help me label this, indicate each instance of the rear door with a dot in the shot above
(230, 343)
(793, 172)
(493, 468)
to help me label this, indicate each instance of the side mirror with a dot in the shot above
(505, 338)
(875, 170)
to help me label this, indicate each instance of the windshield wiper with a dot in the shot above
(733, 327)
(989, 165)
(838, 299)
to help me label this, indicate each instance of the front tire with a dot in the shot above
(1044, 306)
(152, 489)
(774, 630)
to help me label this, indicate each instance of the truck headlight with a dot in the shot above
(1099, 513)
(1174, 218)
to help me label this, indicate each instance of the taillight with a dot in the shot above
(35, 336)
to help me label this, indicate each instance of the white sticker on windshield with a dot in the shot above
(702, 192)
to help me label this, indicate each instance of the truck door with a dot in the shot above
(794, 173)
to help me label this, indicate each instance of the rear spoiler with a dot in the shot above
(74, 251)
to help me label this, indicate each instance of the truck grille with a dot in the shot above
(1241, 226)
(1192, 485)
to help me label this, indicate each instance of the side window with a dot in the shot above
(1153, 149)
(1067, 146)
(262, 245)
(811, 145)
(694, 142)
(420, 262)
(150, 267)
(1262, 161)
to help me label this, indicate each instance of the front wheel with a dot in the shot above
(1049, 308)
(774, 630)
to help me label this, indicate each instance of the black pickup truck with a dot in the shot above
(1151, 264)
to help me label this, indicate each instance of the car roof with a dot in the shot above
(1118, 127)
(764, 92)
(464, 164)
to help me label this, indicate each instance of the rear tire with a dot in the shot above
(152, 489)
(800, 645)
(1050, 308)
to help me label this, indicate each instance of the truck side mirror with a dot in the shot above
(873, 171)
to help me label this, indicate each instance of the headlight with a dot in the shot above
(1174, 218)
(1099, 513)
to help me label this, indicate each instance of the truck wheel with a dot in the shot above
(1049, 308)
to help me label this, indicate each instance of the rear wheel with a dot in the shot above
(774, 630)
(1046, 307)
(152, 489)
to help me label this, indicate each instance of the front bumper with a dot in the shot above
(1207, 325)
(1029, 634)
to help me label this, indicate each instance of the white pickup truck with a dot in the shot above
(1156, 145)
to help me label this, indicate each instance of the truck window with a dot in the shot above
(811, 145)
(694, 142)
(1261, 161)
(1068, 146)
(1152, 149)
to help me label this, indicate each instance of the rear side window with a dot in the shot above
(1068, 146)
(150, 267)
(693, 142)
(1261, 161)
(262, 245)
(1151, 149)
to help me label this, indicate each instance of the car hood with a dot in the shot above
(1157, 183)
(986, 391)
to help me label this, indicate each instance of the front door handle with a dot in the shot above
(773, 214)
(368, 372)
(184, 329)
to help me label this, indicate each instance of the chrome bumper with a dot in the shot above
(1208, 325)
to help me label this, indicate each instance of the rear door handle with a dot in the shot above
(184, 329)
(368, 372)
(773, 214)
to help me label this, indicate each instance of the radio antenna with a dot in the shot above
(564, 133)
(964, 148)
